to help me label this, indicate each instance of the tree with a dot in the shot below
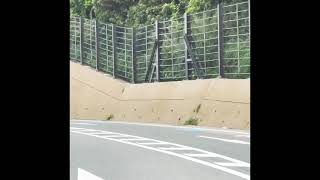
(81, 8)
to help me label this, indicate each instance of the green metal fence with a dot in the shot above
(144, 41)
(236, 40)
(105, 48)
(202, 29)
(75, 50)
(202, 45)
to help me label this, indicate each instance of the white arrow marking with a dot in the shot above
(226, 140)
(85, 175)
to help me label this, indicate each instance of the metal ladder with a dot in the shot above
(194, 58)
(151, 65)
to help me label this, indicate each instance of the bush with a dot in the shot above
(192, 121)
(109, 117)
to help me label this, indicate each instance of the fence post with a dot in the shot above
(146, 67)
(81, 40)
(220, 37)
(107, 48)
(75, 39)
(157, 52)
(249, 22)
(185, 17)
(204, 46)
(125, 53)
(249, 28)
(238, 40)
(133, 55)
(97, 44)
(114, 73)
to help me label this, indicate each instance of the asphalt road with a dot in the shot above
(126, 151)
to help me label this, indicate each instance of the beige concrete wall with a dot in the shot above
(224, 102)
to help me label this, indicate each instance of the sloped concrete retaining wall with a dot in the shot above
(223, 102)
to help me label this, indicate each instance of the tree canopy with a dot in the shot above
(139, 12)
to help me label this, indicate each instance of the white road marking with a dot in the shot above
(72, 128)
(152, 143)
(90, 130)
(115, 136)
(174, 148)
(240, 135)
(226, 140)
(102, 133)
(83, 124)
(213, 165)
(134, 139)
(169, 126)
(229, 164)
(200, 155)
(85, 175)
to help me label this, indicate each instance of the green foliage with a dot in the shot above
(140, 12)
(129, 12)
(200, 5)
(77, 8)
(81, 7)
(109, 117)
(192, 121)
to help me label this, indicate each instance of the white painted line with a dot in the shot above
(114, 136)
(226, 140)
(200, 155)
(95, 132)
(239, 135)
(152, 143)
(88, 130)
(75, 128)
(85, 175)
(83, 124)
(230, 164)
(169, 126)
(174, 148)
(102, 133)
(134, 139)
(155, 142)
(216, 166)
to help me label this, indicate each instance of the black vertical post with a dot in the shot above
(107, 48)
(97, 44)
(114, 51)
(185, 17)
(81, 40)
(133, 55)
(157, 52)
(220, 37)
